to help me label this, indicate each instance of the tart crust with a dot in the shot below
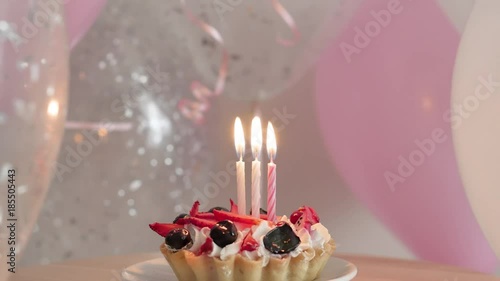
(190, 267)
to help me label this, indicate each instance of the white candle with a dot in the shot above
(271, 173)
(256, 172)
(239, 143)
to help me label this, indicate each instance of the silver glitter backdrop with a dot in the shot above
(127, 155)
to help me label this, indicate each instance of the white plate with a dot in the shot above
(158, 270)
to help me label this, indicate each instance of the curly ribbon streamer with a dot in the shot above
(195, 109)
(278, 7)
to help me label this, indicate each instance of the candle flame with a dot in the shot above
(256, 137)
(239, 138)
(271, 142)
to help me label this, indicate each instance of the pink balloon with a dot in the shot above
(383, 94)
(80, 15)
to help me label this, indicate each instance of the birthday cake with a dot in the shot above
(224, 245)
(229, 245)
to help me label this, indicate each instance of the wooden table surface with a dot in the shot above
(369, 269)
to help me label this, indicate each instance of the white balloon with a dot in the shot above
(34, 61)
(457, 11)
(476, 115)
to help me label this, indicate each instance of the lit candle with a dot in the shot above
(239, 143)
(271, 173)
(256, 148)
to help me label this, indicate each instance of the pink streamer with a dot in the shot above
(195, 109)
(278, 7)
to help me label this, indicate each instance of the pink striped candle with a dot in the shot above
(271, 173)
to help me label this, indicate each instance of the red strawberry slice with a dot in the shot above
(304, 221)
(197, 222)
(249, 243)
(183, 221)
(163, 228)
(206, 215)
(195, 209)
(207, 247)
(295, 216)
(312, 215)
(234, 207)
(222, 215)
(314, 218)
(241, 226)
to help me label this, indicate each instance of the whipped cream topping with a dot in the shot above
(258, 233)
(316, 238)
(200, 236)
(229, 250)
(319, 235)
